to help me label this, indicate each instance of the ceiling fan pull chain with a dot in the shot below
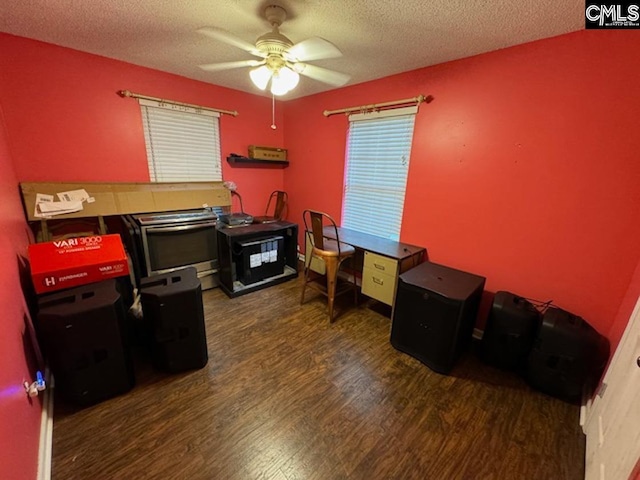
(273, 111)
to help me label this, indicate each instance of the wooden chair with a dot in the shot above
(331, 252)
(279, 199)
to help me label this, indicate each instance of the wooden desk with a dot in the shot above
(379, 260)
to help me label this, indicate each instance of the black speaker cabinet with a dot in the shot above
(82, 331)
(568, 356)
(434, 313)
(510, 331)
(173, 311)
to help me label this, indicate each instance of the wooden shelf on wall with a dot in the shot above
(237, 160)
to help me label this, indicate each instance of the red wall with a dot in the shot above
(65, 121)
(523, 169)
(19, 416)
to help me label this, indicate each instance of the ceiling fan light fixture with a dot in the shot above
(288, 77)
(281, 61)
(260, 76)
(283, 80)
(278, 85)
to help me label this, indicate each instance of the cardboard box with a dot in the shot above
(125, 198)
(76, 261)
(267, 153)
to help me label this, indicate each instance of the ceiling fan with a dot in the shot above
(282, 62)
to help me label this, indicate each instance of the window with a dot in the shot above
(183, 143)
(378, 151)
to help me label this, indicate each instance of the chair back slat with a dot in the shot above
(316, 229)
(280, 204)
(318, 220)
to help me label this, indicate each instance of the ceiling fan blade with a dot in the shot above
(229, 39)
(314, 48)
(216, 67)
(324, 75)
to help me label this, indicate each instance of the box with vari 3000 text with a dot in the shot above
(76, 261)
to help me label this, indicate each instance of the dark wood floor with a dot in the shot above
(286, 396)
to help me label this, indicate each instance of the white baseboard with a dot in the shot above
(46, 429)
(583, 417)
(477, 333)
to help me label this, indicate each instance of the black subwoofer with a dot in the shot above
(568, 356)
(174, 314)
(434, 313)
(83, 335)
(510, 331)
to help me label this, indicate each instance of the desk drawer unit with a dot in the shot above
(379, 277)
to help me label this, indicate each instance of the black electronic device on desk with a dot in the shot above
(237, 219)
(435, 311)
(234, 220)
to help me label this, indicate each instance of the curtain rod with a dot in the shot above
(127, 93)
(375, 106)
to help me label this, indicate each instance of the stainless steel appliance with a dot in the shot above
(168, 241)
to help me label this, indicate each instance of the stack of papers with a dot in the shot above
(68, 202)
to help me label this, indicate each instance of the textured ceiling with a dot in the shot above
(377, 37)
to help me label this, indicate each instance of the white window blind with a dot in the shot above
(378, 151)
(183, 143)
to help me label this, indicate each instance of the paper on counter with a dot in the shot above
(48, 208)
(41, 198)
(52, 207)
(70, 202)
(72, 195)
